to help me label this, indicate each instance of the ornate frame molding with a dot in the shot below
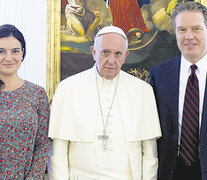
(53, 46)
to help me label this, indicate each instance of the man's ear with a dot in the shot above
(127, 53)
(93, 51)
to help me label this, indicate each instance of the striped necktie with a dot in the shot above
(190, 120)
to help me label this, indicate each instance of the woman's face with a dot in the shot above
(10, 56)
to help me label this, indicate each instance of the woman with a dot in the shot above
(24, 114)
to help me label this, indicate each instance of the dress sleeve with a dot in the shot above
(42, 142)
(149, 159)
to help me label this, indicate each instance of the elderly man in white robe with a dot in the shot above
(104, 122)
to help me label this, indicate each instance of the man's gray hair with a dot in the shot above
(189, 6)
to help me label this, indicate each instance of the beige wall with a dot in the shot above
(30, 17)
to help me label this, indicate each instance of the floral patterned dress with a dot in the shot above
(24, 144)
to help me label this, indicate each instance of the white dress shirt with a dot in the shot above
(201, 73)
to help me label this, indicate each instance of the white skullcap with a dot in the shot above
(111, 29)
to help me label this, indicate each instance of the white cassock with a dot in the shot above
(76, 122)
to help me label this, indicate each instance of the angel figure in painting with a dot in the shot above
(79, 20)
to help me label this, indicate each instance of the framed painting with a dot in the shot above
(72, 25)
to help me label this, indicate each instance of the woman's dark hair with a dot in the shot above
(7, 30)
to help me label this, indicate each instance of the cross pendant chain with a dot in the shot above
(104, 138)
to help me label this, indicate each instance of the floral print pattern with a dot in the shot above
(24, 144)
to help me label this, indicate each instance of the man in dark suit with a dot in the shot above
(183, 154)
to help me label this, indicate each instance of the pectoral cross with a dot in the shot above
(104, 137)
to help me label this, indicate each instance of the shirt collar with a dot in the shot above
(104, 80)
(201, 64)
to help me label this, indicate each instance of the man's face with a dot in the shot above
(191, 35)
(110, 54)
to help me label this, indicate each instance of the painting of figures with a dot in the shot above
(147, 24)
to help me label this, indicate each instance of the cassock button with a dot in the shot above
(110, 147)
(110, 130)
(110, 123)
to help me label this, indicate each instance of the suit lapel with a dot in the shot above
(204, 113)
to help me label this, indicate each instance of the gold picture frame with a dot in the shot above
(54, 45)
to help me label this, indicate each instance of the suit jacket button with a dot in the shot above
(171, 172)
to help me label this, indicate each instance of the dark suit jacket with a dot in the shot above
(165, 81)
